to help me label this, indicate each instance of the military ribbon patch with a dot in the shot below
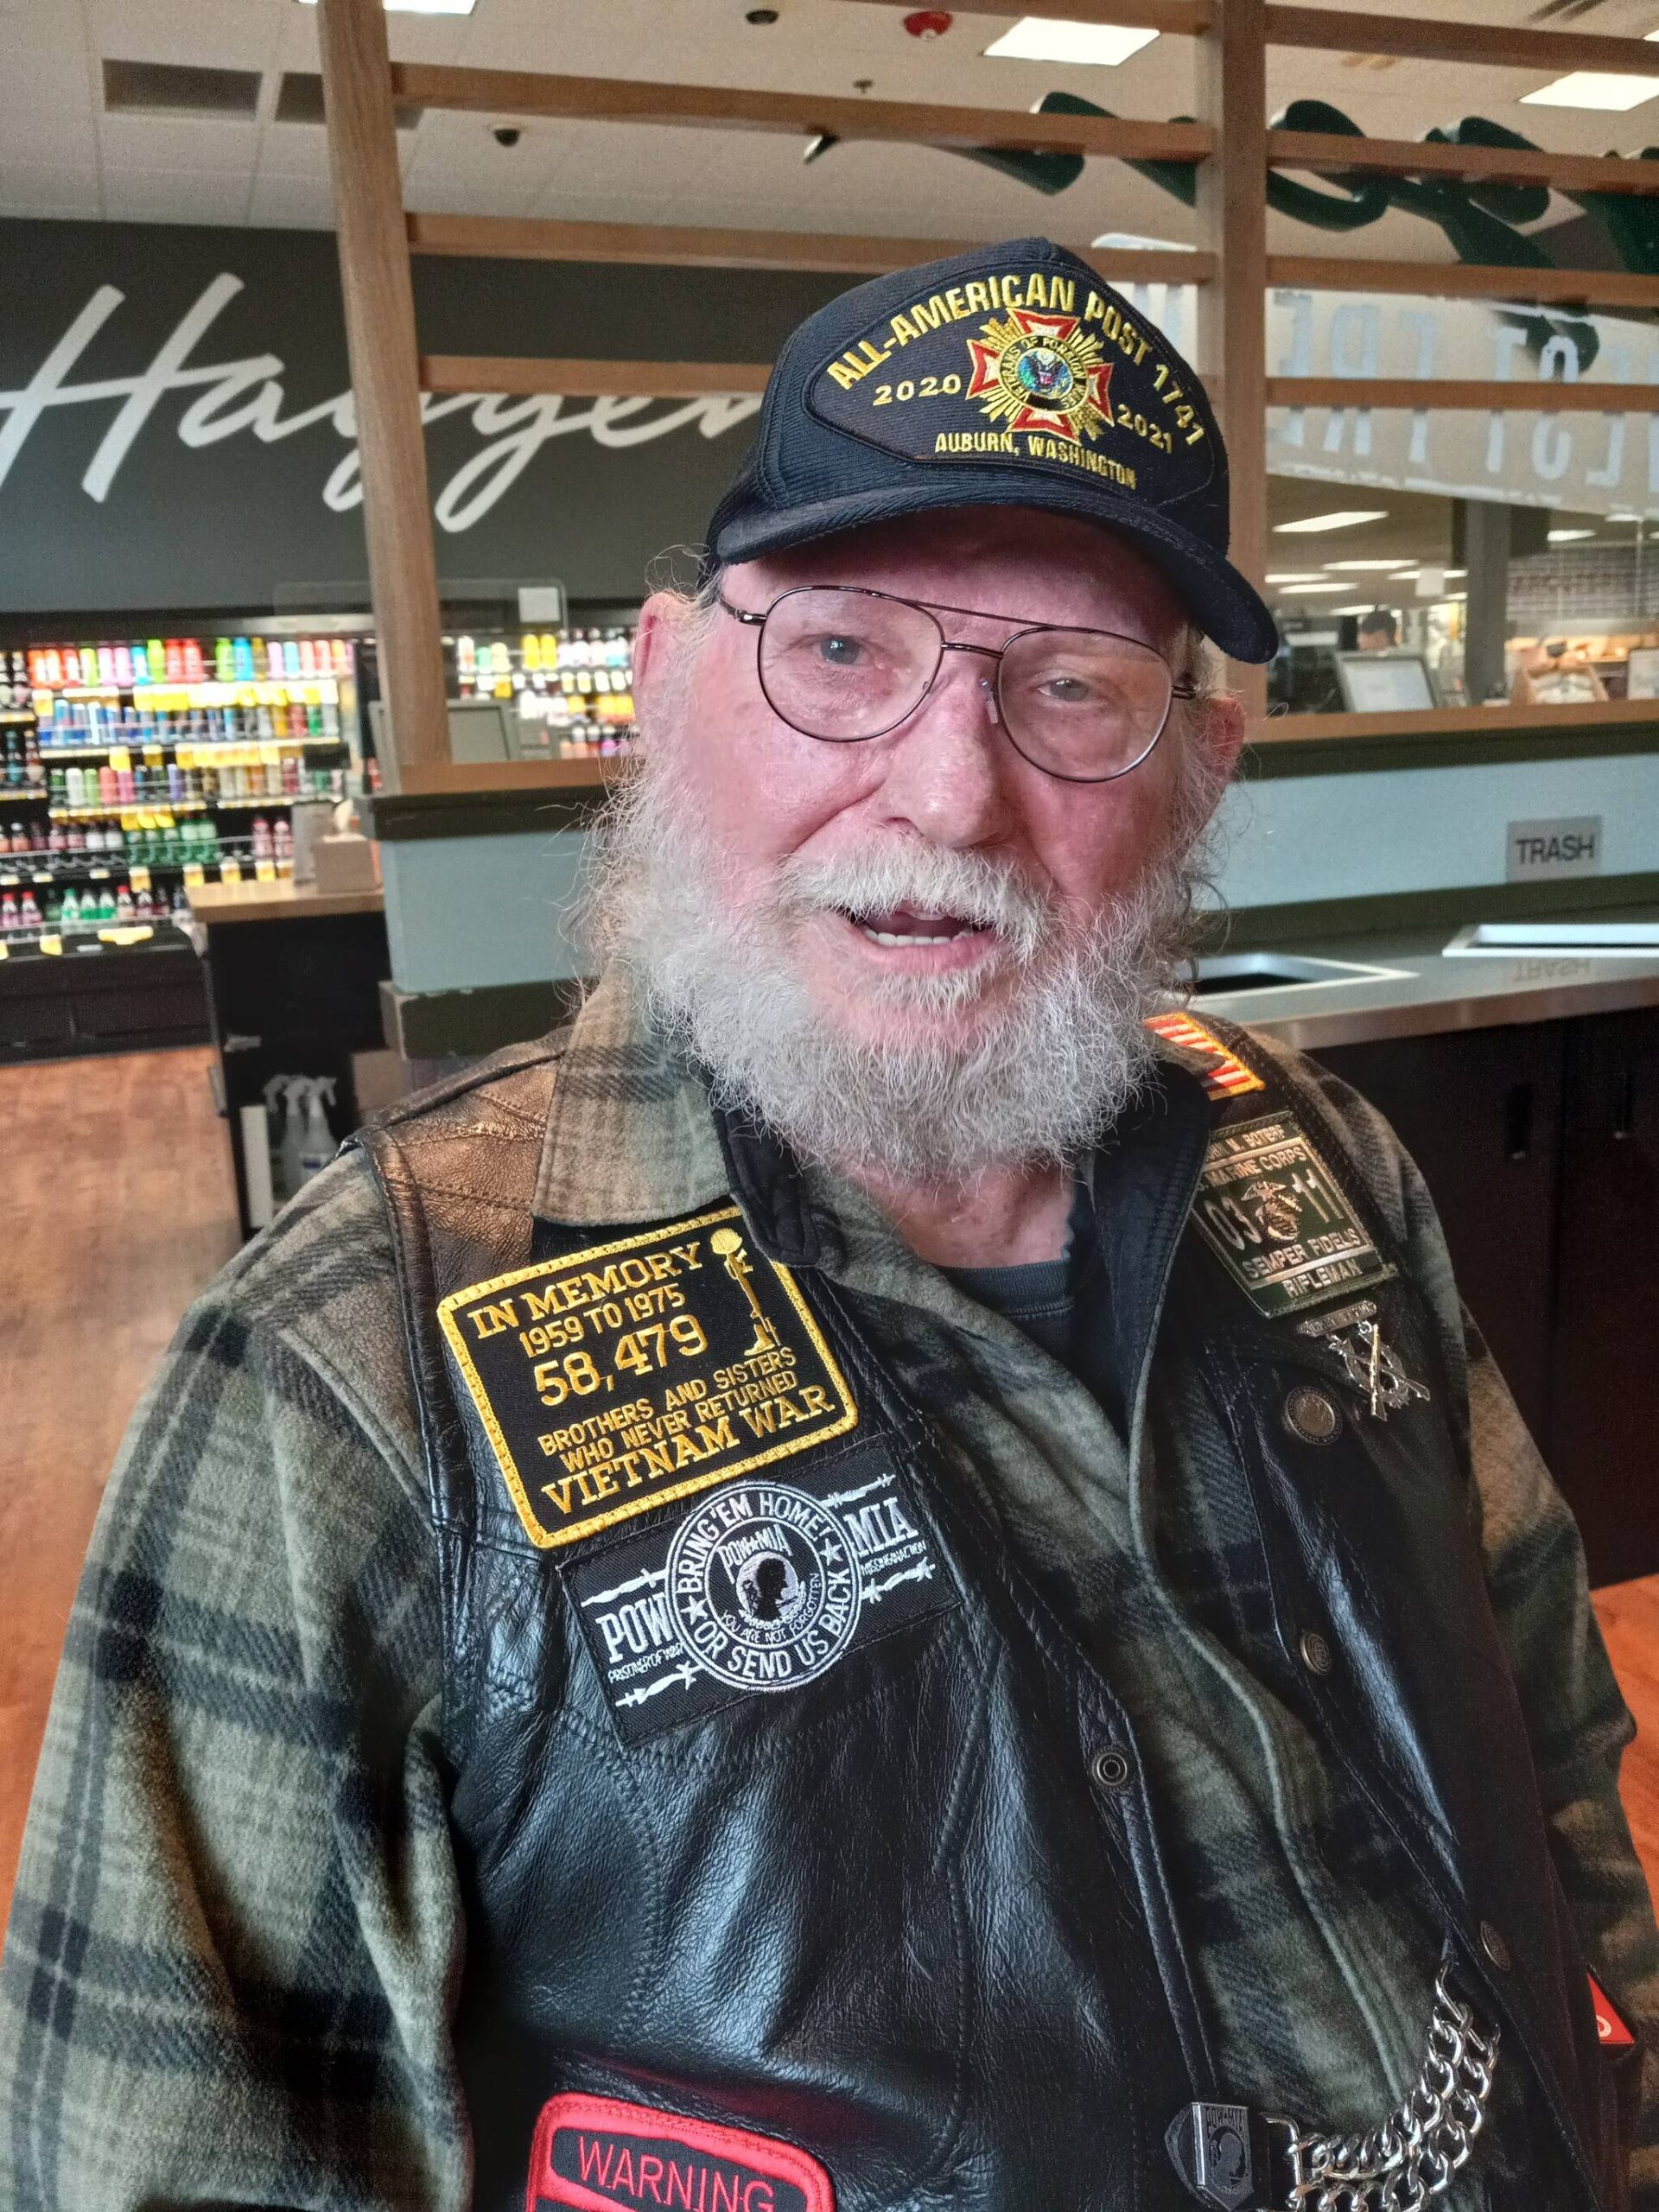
(1276, 1217)
(601, 2154)
(1223, 1074)
(642, 1369)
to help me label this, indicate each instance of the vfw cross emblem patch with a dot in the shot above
(1041, 372)
(601, 2154)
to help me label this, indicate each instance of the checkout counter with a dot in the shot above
(1524, 1079)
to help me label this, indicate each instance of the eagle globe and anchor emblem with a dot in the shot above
(1041, 372)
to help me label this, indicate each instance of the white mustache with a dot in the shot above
(930, 879)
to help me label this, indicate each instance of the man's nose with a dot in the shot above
(947, 766)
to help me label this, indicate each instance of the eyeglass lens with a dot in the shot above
(848, 665)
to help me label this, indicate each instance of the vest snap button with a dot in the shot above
(1309, 1416)
(1110, 1769)
(1316, 1655)
(1496, 1946)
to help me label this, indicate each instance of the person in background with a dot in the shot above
(887, 1572)
(1379, 631)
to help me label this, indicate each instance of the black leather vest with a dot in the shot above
(902, 1935)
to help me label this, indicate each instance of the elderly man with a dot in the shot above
(886, 1575)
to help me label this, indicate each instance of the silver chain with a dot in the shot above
(1414, 2153)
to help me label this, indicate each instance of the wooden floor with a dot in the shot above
(116, 1207)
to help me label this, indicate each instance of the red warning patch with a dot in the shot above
(1225, 1075)
(1609, 2028)
(600, 2154)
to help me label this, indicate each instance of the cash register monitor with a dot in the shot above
(1384, 683)
(479, 729)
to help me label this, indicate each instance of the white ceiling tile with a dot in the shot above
(64, 141)
(40, 188)
(297, 39)
(217, 38)
(294, 149)
(291, 203)
(168, 196)
(50, 80)
(149, 141)
(52, 131)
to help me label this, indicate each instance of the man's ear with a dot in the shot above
(655, 642)
(1218, 726)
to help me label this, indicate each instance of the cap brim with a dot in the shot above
(1227, 609)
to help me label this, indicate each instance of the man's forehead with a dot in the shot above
(1027, 559)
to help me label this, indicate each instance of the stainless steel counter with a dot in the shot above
(1437, 991)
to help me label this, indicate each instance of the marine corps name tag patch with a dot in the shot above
(763, 1584)
(599, 2153)
(613, 1380)
(1275, 1216)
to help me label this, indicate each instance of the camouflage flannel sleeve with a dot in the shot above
(1576, 1718)
(236, 1927)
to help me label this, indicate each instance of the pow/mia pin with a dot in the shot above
(641, 1370)
(1354, 1333)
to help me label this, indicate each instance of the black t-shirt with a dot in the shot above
(1059, 1304)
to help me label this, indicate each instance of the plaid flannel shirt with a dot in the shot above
(237, 1936)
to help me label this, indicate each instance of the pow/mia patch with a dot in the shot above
(1027, 365)
(1275, 1216)
(1223, 1074)
(599, 2152)
(764, 1585)
(643, 1370)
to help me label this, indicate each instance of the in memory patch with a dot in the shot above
(1274, 1214)
(763, 1584)
(600, 2153)
(642, 1369)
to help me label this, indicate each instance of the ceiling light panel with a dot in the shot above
(1311, 588)
(1566, 536)
(1038, 38)
(1338, 518)
(1594, 88)
(1358, 567)
(421, 7)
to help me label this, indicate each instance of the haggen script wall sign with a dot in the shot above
(176, 424)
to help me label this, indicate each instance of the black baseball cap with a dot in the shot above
(1010, 376)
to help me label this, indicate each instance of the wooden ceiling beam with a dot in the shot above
(1180, 18)
(511, 237)
(806, 115)
(1500, 46)
(1332, 152)
(1464, 395)
(572, 379)
(1460, 280)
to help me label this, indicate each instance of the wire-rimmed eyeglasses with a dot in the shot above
(843, 664)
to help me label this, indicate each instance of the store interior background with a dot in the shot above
(189, 681)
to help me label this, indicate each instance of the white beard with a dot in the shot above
(1054, 1061)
